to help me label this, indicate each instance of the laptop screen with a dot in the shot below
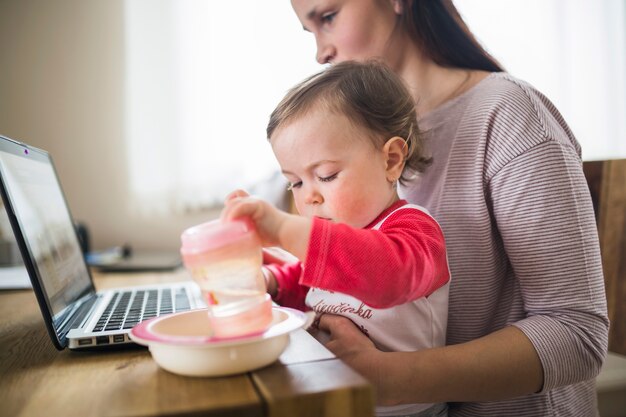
(35, 203)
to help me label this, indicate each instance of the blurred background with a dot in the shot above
(154, 109)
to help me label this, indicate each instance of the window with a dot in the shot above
(573, 51)
(203, 77)
(202, 80)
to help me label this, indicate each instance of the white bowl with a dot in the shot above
(182, 343)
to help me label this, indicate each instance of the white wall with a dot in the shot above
(575, 54)
(61, 89)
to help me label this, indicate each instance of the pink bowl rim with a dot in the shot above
(143, 334)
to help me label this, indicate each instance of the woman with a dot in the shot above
(528, 327)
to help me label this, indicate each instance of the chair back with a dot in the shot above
(607, 184)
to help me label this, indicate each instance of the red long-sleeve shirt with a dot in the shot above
(404, 259)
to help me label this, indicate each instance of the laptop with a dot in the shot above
(76, 315)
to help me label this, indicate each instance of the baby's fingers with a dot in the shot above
(236, 194)
(241, 207)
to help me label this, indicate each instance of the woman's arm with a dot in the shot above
(543, 212)
(550, 241)
(501, 365)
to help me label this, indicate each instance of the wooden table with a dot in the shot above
(38, 380)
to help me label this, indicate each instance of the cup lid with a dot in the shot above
(214, 234)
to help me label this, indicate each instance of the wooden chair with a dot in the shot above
(607, 184)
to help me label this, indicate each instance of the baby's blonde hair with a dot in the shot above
(370, 95)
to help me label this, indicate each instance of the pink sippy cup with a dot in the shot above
(225, 260)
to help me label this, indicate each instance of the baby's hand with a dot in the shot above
(276, 255)
(266, 218)
(274, 227)
(236, 193)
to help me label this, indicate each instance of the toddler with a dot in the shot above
(344, 138)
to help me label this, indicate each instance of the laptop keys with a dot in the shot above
(145, 305)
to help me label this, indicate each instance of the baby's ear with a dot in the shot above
(395, 151)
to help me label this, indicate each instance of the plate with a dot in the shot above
(183, 343)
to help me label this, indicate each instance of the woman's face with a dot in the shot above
(351, 29)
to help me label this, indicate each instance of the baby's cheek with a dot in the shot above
(350, 208)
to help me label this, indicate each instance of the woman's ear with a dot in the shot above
(395, 151)
(398, 6)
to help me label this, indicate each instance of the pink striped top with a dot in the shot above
(508, 190)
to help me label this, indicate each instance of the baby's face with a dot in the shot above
(334, 170)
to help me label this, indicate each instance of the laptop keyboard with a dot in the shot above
(128, 308)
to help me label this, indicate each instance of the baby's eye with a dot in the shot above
(328, 178)
(328, 17)
(293, 185)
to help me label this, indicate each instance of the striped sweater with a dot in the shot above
(507, 188)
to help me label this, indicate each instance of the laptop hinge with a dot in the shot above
(76, 315)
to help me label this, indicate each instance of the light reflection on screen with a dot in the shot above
(45, 221)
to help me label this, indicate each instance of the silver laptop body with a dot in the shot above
(76, 315)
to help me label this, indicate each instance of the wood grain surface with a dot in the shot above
(38, 380)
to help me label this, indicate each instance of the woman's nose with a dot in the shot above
(325, 52)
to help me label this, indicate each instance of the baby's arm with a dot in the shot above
(402, 261)
(284, 284)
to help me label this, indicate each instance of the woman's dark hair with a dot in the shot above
(438, 29)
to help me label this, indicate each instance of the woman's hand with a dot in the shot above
(351, 345)
(480, 370)
(346, 340)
